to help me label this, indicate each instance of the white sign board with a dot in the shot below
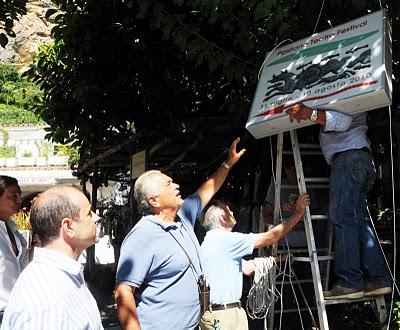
(346, 68)
(138, 164)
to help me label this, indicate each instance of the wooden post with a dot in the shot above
(90, 251)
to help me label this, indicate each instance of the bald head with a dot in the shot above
(51, 207)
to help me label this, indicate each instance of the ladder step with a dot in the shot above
(293, 310)
(309, 146)
(349, 301)
(308, 259)
(299, 250)
(304, 281)
(319, 217)
(304, 152)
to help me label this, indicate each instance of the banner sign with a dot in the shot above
(346, 68)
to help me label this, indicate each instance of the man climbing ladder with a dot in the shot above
(357, 255)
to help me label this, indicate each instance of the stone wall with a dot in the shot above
(32, 30)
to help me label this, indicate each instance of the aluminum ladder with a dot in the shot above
(312, 257)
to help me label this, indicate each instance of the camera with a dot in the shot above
(204, 293)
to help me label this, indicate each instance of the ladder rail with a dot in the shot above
(277, 209)
(319, 296)
(313, 257)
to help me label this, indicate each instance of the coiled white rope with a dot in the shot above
(263, 292)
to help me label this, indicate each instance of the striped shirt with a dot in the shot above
(51, 294)
(343, 132)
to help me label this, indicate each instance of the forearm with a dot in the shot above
(275, 234)
(208, 189)
(126, 309)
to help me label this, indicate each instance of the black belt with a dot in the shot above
(365, 149)
(219, 307)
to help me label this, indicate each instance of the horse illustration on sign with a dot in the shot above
(328, 70)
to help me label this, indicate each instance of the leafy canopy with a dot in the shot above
(158, 63)
(10, 10)
(17, 95)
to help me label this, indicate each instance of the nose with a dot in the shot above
(18, 200)
(96, 218)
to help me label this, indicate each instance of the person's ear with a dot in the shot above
(222, 220)
(153, 201)
(68, 227)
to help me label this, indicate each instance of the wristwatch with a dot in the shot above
(226, 165)
(314, 115)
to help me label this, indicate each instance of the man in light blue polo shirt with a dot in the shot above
(159, 263)
(359, 265)
(222, 252)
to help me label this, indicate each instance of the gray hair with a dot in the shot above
(211, 215)
(144, 188)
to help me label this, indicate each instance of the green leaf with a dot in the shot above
(50, 12)
(3, 40)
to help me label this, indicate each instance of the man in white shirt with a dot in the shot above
(13, 254)
(222, 251)
(51, 292)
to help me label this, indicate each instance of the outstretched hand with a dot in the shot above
(302, 202)
(299, 111)
(233, 155)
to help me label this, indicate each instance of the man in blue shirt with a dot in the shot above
(222, 252)
(346, 148)
(159, 262)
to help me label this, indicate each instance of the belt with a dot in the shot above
(219, 307)
(365, 149)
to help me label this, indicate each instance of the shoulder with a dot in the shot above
(192, 200)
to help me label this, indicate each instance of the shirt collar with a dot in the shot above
(59, 260)
(164, 225)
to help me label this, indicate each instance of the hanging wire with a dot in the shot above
(392, 274)
(394, 209)
(319, 16)
(270, 53)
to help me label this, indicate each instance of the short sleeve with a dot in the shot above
(337, 121)
(270, 198)
(134, 263)
(241, 244)
(191, 209)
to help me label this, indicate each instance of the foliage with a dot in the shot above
(396, 314)
(70, 151)
(27, 154)
(8, 151)
(22, 220)
(8, 73)
(156, 63)
(44, 147)
(5, 150)
(13, 115)
(10, 10)
(17, 90)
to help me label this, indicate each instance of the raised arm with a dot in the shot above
(275, 234)
(207, 190)
(126, 306)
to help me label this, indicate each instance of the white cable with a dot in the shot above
(270, 53)
(261, 294)
(319, 16)
(384, 256)
(393, 275)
